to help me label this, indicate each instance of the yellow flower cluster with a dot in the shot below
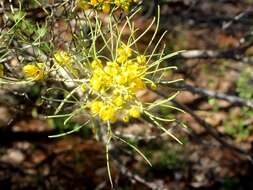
(115, 83)
(124, 4)
(64, 59)
(105, 5)
(37, 71)
(34, 71)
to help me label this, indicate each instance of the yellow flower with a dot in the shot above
(83, 87)
(125, 118)
(117, 2)
(118, 101)
(124, 52)
(153, 86)
(137, 84)
(98, 71)
(96, 106)
(125, 7)
(122, 59)
(105, 5)
(93, 2)
(108, 113)
(112, 68)
(106, 8)
(135, 112)
(34, 71)
(127, 50)
(128, 97)
(133, 71)
(141, 59)
(116, 92)
(116, 84)
(84, 5)
(62, 58)
(96, 63)
(112, 64)
(124, 4)
(96, 83)
(121, 79)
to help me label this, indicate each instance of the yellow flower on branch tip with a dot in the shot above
(137, 84)
(83, 87)
(153, 86)
(105, 5)
(135, 112)
(34, 71)
(96, 106)
(118, 101)
(128, 97)
(115, 83)
(125, 8)
(141, 59)
(123, 52)
(96, 83)
(122, 78)
(126, 50)
(111, 70)
(117, 2)
(108, 113)
(84, 5)
(125, 118)
(106, 8)
(96, 63)
(62, 58)
(94, 2)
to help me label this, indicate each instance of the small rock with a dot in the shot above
(5, 116)
(13, 156)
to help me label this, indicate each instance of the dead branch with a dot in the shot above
(213, 94)
(215, 54)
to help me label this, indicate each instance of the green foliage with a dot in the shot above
(58, 123)
(165, 157)
(166, 112)
(244, 84)
(238, 131)
(214, 103)
(170, 160)
(230, 183)
(236, 126)
(35, 91)
(27, 28)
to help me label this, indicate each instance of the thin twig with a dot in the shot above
(213, 94)
(214, 54)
